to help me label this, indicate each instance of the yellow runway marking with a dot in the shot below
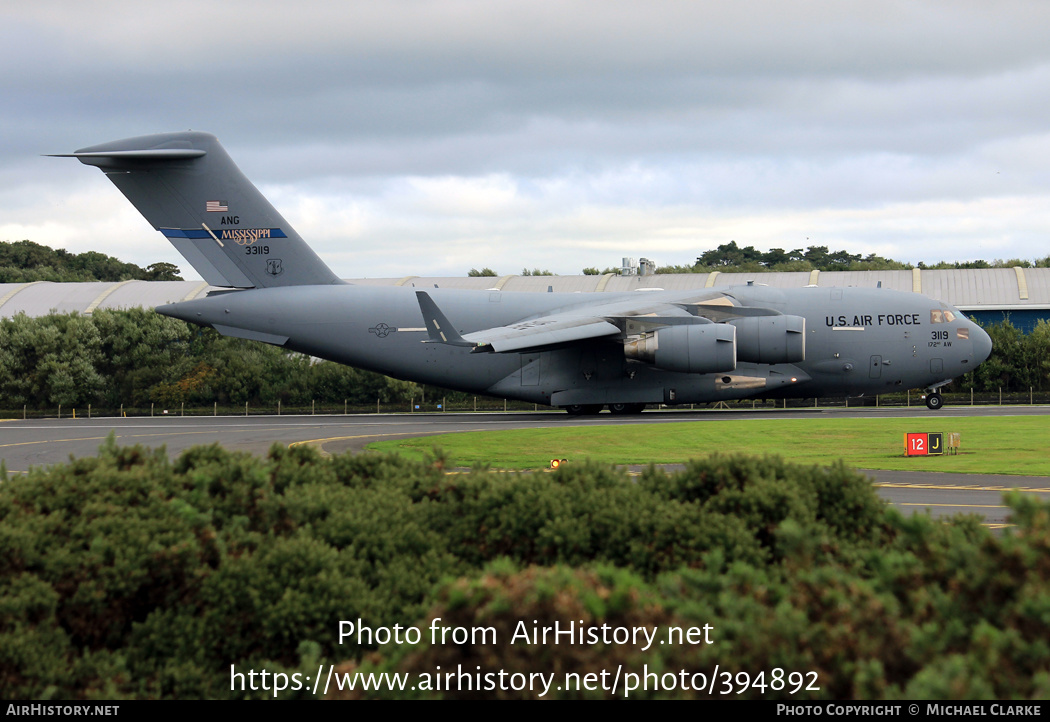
(53, 441)
(130, 436)
(950, 487)
(953, 506)
(319, 443)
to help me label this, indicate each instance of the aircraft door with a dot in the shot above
(875, 367)
(936, 366)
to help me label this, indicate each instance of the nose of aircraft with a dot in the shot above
(982, 344)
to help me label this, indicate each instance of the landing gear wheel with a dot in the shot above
(934, 401)
(624, 409)
(583, 409)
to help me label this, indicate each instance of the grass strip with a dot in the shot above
(998, 445)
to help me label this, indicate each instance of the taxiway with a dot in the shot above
(24, 444)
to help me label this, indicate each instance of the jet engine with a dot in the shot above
(770, 339)
(691, 348)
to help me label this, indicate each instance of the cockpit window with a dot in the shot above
(941, 316)
(962, 333)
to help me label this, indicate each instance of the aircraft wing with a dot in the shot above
(550, 331)
(618, 318)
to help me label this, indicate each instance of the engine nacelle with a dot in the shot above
(691, 348)
(770, 339)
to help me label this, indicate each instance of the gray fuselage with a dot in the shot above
(857, 342)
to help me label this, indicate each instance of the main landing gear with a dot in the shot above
(583, 409)
(624, 409)
(592, 409)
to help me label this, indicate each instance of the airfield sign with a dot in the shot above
(931, 444)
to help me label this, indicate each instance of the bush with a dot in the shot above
(128, 575)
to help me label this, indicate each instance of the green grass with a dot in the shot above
(1002, 445)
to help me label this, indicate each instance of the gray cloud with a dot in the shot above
(555, 134)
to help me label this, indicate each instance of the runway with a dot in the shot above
(24, 444)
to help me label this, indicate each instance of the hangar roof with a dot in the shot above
(967, 289)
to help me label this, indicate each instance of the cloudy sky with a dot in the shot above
(410, 137)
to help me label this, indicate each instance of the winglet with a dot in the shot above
(439, 327)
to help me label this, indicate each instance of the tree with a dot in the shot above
(50, 360)
(729, 254)
(162, 272)
(1037, 353)
(1011, 366)
(775, 257)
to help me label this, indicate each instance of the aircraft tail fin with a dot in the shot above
(189, 189)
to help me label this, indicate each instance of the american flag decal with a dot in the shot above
(216, 206)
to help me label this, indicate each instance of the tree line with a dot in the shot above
(731, 258)
(1019, 361)
(137, 357)
(25, 261)
(819, 258)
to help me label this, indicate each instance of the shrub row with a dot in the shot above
(129, 575)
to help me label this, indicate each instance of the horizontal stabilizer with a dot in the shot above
(150, 154)
(235, 332)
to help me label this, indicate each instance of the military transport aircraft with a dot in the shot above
(579, 351)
